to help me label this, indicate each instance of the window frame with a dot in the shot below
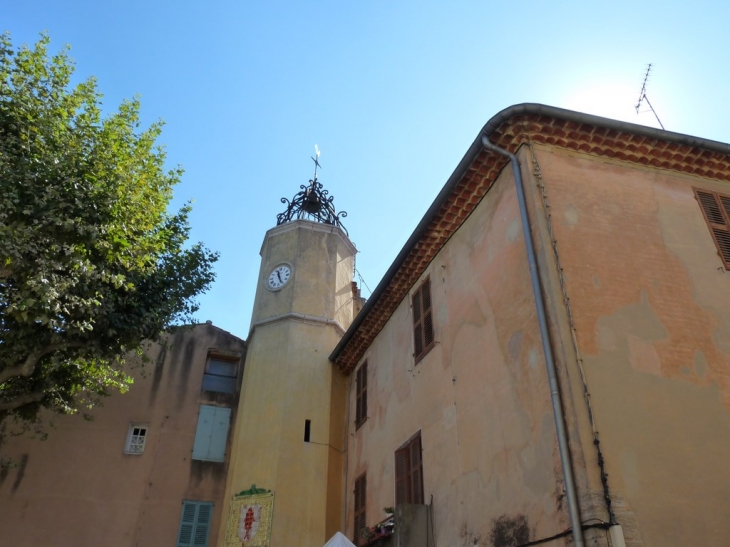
(359, 518)
(715, 208)
(424, 338)
(213, 376)
(361, 395)
(409, 472)
(132, 436)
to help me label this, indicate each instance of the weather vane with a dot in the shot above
(313, 202)
(643, 97)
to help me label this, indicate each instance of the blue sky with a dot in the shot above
(393, 92)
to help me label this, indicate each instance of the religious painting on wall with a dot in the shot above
(249, 518)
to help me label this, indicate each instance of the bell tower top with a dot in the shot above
(312, 202)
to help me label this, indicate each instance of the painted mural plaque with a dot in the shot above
(249, 518)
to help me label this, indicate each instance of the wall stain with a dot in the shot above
(509, 531)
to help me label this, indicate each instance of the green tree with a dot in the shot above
(91, 262)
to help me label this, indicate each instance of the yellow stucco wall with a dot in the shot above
(651, 304)
(288, 379)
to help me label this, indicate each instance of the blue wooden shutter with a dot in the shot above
(211, 434)
(194, 524)
(202, 525)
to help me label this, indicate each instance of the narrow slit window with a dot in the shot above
(307, 430)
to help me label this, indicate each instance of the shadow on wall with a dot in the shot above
(20, 474)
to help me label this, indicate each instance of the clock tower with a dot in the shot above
(288, 437)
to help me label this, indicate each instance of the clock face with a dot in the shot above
(278, 277)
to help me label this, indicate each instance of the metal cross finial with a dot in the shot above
(316, 161)
(313, 202)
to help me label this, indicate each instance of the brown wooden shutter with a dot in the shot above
(409, 472)
(416, 471)
(361, 403)
(417, 325)
(716, 210)
(401, 476)
(360, 499)
(423, 337)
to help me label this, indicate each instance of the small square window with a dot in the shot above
(136, 438)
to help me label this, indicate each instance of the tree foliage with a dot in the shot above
(91, 262)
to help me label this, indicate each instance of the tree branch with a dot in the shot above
(21, 400)
(27, 367)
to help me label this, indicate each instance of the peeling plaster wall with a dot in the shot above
(78, 488)
(651, 304)
(480, 398)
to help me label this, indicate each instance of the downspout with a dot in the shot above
(565, 462)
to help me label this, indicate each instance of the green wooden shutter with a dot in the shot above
(211, 434)
(194, 524)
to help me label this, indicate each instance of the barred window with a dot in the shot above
(136, 438)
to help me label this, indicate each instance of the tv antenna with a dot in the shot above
(643, 97)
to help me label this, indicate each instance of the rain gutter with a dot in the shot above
(565, 462)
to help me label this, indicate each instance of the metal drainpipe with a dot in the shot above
(575, 523)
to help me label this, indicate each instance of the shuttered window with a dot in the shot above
(423, 339)
(211, 434)
(361, 401)
(360, 498)
(409, 472)
(716, 209)
(194, 524)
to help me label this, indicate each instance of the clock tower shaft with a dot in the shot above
(289, 435)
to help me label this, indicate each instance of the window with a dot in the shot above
(361, 402)
(211, 434)
(360, 496)
(422, 321)
(136, 437)
(194, 524)
(409, 472)
(716, 209)
(220, 375)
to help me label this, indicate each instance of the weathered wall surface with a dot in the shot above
(79, 488)
(651, 304)
(480, 398)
